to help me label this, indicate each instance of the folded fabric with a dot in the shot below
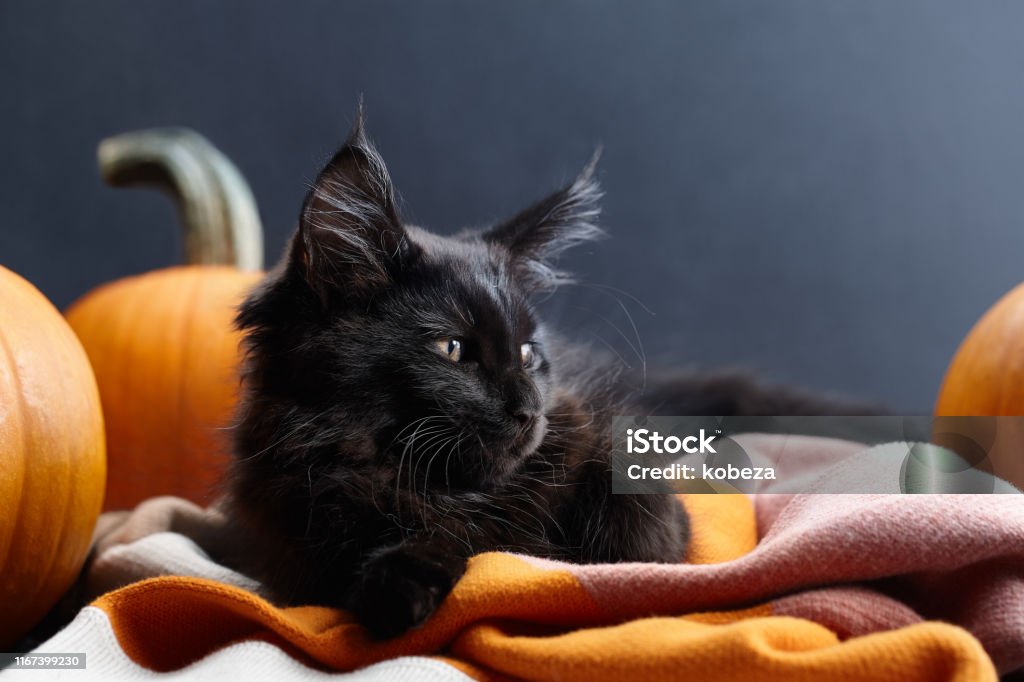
(880, 587)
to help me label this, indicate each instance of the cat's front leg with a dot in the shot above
(612, 528)
(399, 587)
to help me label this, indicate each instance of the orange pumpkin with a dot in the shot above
(162, 344)
(52, 463)
(986, 376)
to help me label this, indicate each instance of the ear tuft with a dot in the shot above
(357, 135)
(350, 235)
(537, 236)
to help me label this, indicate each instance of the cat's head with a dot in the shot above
(380, 341)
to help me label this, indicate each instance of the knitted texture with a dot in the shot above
(787, 587)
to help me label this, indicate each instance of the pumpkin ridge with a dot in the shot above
(71, 543)
(19, 411)
(62, 498)
(187, 346)
(121, 351)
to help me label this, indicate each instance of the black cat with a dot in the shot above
(404, 408)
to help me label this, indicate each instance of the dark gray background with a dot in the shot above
(831, 192)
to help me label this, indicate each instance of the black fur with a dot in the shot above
(369, 466)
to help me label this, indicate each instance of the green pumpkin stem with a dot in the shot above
(217, 208)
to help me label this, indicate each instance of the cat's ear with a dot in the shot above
(535, 237)
(350, 238)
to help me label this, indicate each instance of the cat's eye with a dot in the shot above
(527, 355)
(449, 347)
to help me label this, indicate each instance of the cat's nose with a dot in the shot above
(524, 418)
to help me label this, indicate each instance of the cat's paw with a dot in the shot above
(399, 589)
(641, 528)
